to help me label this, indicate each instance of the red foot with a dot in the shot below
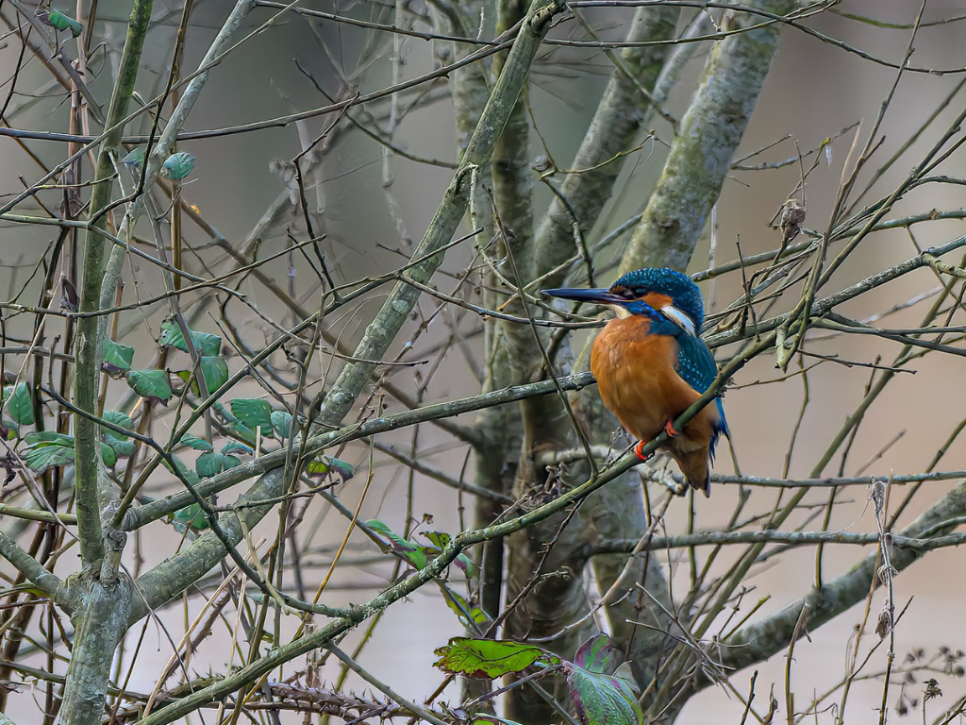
(638, 450)
(669, 429)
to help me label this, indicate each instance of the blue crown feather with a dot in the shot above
(684, 293)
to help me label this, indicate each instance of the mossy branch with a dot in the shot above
(616, 124)
(381, 332)
(701, 155)
(88, 340)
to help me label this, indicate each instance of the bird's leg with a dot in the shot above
(669, 429)
(638, 450)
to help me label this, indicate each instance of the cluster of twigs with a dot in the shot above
(555, 536)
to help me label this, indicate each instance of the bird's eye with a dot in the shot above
(621, 291)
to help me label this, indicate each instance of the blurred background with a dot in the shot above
(813, 93)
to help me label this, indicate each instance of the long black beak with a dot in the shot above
(598, 296)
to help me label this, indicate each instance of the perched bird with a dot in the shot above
(651, 365)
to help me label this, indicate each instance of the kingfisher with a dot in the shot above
(651, 365)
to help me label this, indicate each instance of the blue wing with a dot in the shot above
(697, 367)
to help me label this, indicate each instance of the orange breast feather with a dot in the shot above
(636, 376)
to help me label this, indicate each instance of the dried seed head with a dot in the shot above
(793, 214)
(884, 624)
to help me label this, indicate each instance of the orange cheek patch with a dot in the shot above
(656, 300)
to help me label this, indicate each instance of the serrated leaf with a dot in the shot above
(19, 405)
(122, 420)
(600, 699)
(49, 436)
(215, 371)
(253, 413)
(470, 616)
(236, 447)
(177, 166)
(488, 658)
(206, 344)
(118, 358)
(393, 543)
(282, 423)
(150, 384)
(209, 464)
(43, 456)
(195, 442)
(212, 463)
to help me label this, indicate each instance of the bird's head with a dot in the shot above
(650, 292)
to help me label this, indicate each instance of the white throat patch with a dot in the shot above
(679, 318)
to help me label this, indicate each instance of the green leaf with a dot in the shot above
(193, 441)
(122, 447)
(50, 450)
(253, 413)
(206, 344)
(600, 699)
(122, 420)
(440, 541)
(469, 567)
(48, 436)
(58, 20)
(186, 473)
(122, 444)
(190, 517)
(212, 463)
(488, 658)
(597, 655)
(282, 423)
(9, 430)
(215, 371)
(470, 616)
(317, 467)
(19, 405)
(209, 464)
(407, 550)
(150, 384)
(327, 464)
(134, 159)
(177, 166)
(46, 452)
(118, 358)
(236, 447)
(108, 455)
